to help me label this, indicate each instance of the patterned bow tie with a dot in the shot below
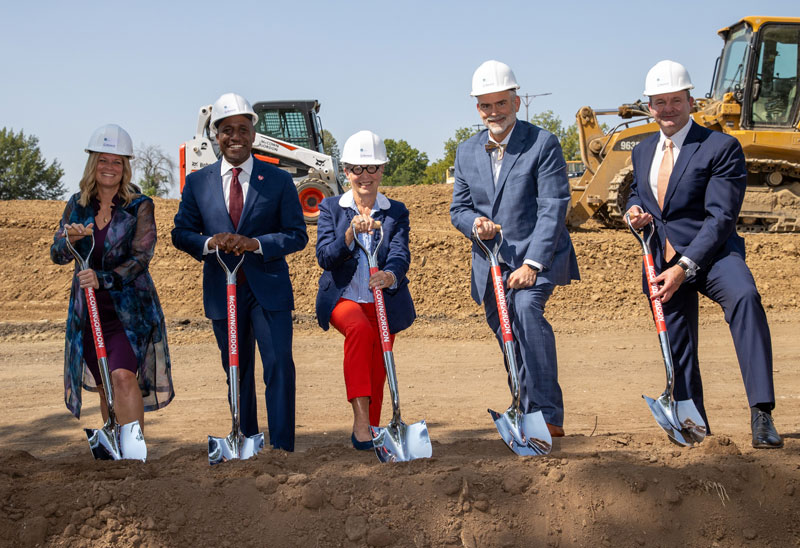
(491, 146)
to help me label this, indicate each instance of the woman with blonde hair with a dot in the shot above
(123, 224)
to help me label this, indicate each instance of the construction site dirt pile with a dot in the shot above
(614, 480)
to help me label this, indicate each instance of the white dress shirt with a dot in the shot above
(677, 144)
(226, 170)
(497, 161)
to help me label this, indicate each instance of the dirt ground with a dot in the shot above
(615, 480)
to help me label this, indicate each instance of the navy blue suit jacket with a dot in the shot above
(530, 201)
(703, 198)
(271, 214)
(340, 263)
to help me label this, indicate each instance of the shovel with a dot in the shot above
(679, 419)
(235, 445)
(398, 442)
(526, 434)
(113, 441)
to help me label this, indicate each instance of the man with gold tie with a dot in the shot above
(690, 182)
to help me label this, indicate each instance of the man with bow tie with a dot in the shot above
(240, 205)
(689, 181)
(513, 174)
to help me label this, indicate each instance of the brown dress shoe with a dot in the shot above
(555, 431)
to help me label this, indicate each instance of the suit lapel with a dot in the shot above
(690, 146)
(645, 189)
(484, 161)
(513, 150)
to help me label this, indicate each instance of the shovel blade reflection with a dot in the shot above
(124, 442)
(679, 419)
(525, 434)
(401, 442)
(234, 446)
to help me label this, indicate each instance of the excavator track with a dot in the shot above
(766, 208)
(613, 211)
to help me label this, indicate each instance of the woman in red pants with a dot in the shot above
(345, 296)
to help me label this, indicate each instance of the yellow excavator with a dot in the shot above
(755, 97)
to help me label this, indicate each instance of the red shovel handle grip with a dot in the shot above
(502, 306)
(380, 312)
(233, 333)
(652, 287)
(94, 319)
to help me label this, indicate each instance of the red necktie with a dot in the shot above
(236, 200)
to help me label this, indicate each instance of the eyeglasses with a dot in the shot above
(358, 170)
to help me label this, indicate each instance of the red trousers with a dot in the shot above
(364, 372)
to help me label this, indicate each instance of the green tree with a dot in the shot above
(437, 171)
(569, 138)
(549, 121)
(329, 145)
(406, 164)
(24, 173)
(155, 170)
(569, 143)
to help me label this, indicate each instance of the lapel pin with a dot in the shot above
(260, 177)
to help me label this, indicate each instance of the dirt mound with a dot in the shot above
(610, 287)
(606, 491)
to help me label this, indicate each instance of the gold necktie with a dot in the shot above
(664, 172)
(491, 145)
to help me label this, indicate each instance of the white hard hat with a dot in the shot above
(364, 148)
(231, 104)
(667, 77)
(493, 76)
(111, 139)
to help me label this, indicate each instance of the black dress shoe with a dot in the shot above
(764, 434)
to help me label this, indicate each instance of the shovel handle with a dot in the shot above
(86, 232)
(652, 287)
(380, 312)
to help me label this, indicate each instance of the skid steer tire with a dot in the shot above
(311, 192)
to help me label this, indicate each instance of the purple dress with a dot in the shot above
(118, 347)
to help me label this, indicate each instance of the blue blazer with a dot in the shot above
(340, 263)
(703, 199)
(271, 214)
(530, 200)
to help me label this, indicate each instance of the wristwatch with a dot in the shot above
(688, 271)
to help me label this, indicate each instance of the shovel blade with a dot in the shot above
(526, 434)
(234, 446)
(401, 442)
(124, 442)
(679, 419)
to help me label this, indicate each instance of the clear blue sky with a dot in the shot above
(401, 69)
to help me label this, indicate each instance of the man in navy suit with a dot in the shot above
(241, 205)
(690, 182)
(514, 175)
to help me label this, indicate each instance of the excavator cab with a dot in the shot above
(760, 66)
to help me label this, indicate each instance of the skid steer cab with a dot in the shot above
(289, 136)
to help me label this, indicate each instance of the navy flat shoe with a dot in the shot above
(361, 445)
